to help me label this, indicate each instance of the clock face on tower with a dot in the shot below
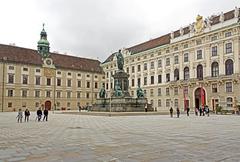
(48, 62)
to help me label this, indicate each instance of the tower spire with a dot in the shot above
(43, 44)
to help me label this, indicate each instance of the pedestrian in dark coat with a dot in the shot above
(45, 113)
(171, 112)
(178, 112)
(188, 109)
(39, 114)
(27, 114)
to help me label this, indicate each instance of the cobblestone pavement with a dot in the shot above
(67, 137)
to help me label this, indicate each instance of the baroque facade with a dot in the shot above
(38, 78)
(194, 66)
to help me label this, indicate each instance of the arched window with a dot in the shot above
(176, 74)
(215, 69)
(229, 67)
(186, 73)
(200, 72)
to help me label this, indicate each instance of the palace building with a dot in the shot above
(38, 78)
(197, 65)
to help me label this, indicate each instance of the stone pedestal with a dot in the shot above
(123, 104)
(122, 78)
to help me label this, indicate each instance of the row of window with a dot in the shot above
(58, 72)
(229, 102)
(48, 94)
(214, 73)
(49, 81)
(228, 88)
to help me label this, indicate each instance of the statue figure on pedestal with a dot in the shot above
(236, 12)
(120, 60)
(118, 91)
(102, 93)
(140, 92)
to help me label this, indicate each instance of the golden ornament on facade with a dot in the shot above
(199, 25)
(48, 72)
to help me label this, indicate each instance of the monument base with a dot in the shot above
(118, 104)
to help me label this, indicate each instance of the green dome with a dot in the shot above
(43, 42)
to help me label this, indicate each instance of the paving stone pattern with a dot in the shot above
(74, 138)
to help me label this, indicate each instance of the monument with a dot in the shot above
(119, 99)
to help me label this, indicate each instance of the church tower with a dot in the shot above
(43, 44)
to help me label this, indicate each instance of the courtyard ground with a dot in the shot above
(70, 137)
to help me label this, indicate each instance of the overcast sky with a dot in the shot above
(95, 28)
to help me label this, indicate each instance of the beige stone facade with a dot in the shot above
(179, 69)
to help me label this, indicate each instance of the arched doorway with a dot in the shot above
(48, 105)
(200, 97)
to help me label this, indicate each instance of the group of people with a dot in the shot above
(27, 115)
(202, 111)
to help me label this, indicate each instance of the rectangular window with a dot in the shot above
(48, 93)
(59, 82)
(24, 93)
(145, 66)
(11, 68)
(199, 54)
(176, 59)
(152, 79)
(48, 81)
(214, 38)
(69, 94)
(185, 90)
(25, 69)
(152, 65)
(229, 102)
(168, 77)
(87, 95)
(145, 92)
(228, 48)
(78, 94)
(159, 78)
(25, 79)
(228, 34)
(133, 69)
(159, 63)
(199, 41)
(214, 51)
(167, 92)
(175, 90)
(96, 85)
(58, 94)
(214, 88)
(185, 57)
(69, 82)
(168, 102)
(139, 81)
(10, 78)
(145, 80)
(175, 102)
(88, 84)
(168, 61)
(159, 91)
(69, 74)
(38, 70)
(37, 80)
(68, 104)
(159, 103)
(59, 72)
(10, 104)
(139, 68)
(37, 93)
(228, 86)
(151, 93)
(10, 93)
(185, 46)
(127, 70)
(79, 83)
(133, 82)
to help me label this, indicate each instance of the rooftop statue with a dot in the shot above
(120, 60)
(102, 93)
(140, 92)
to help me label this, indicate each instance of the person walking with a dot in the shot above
(45, 113)
(39, 114)
(19, 116)
(178, 112)
(27, 114)
(171, 112)
(188, 109)
(207, 110)
(196, 111)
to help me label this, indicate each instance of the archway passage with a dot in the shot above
(48, 105)
(200, 97)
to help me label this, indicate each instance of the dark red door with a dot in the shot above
(48, 105)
